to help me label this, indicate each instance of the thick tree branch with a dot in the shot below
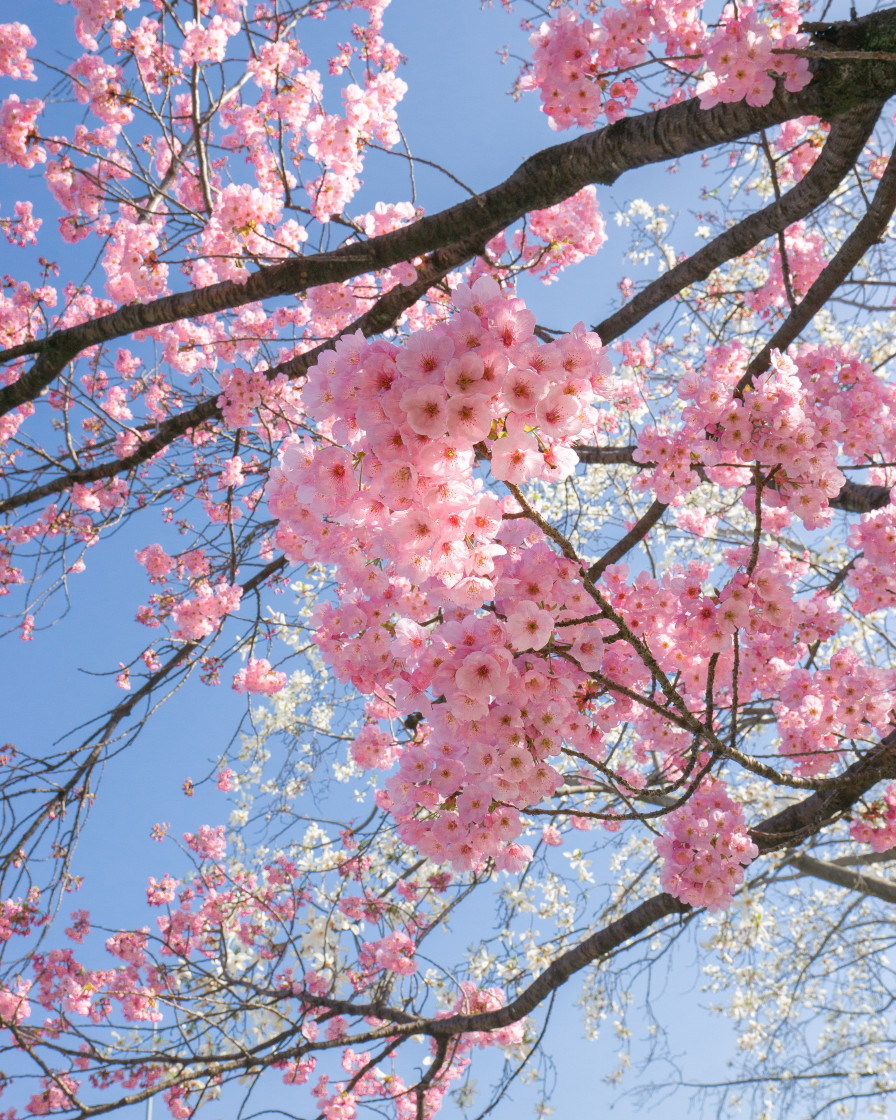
(637, 533)
(860, 497)
(608, 455)
(804, 819)
(844, 877)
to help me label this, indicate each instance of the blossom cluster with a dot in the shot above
(705, 847)
(207, 43)
(678, 618)
(18, 132)
(100, 85)
(15, 42)
(196, 618)
(460, 610)
(23, 228)
(555, 238)
(846, 699)
(806, 257)
(873, 575)
(131, 261)
(792, 421)
(407, 493)
(258, 676)
(876, 823)
(583, 68)
(741, 62)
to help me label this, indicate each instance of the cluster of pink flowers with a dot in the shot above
(806, 257)
(92, 15)
(249, 906)
(101, 85)
(78, 196)
(9, 575)
(793, 420)
(57, 1094)
(776, 426)
(18, 917)
(258, 676)
(153, 58)
(18, 132)
(156, 561)
(582, 67)
(705, 847)
(374, 749)
(741, 63)
(67, 986)
(847, 699)
(131, 263)
(14, 1005)
(236, 230)
(161, 892)
(22, 229)
(207, 842)
(563, 72)
(100, 496)
(797, 146)
(556, 238)
(334, 306)
(195, 619)
(129, 946)
(873, 575)
(394, 953)
(406, 493)
(233, 473)
(243, 392)
(15, 42)
(876, 823)
(276, 57)
(678, 617)
(207, 43)
(291, 100)
(508, 659)
(337, 142)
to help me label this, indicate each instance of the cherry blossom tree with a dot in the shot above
(590, 624)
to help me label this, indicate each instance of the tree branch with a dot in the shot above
(843, 877)
(637, 533)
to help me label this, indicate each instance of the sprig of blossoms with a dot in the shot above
(583, 68)
(705, 848)
(876, 824)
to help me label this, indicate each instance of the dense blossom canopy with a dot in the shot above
(613, 596)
